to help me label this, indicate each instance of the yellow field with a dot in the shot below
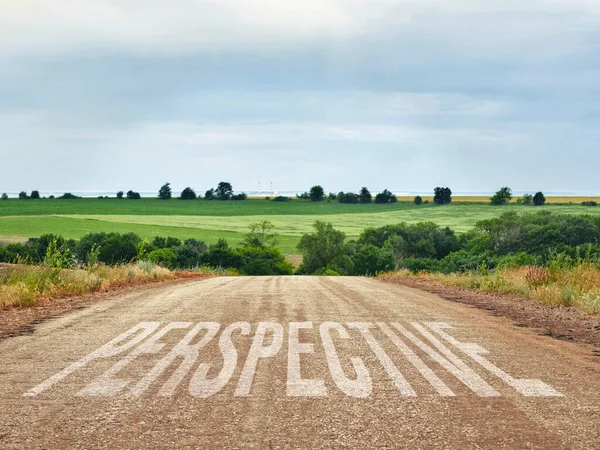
(486, 199)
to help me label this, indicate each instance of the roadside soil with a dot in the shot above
(559, 322)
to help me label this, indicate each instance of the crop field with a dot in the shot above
(211, 220)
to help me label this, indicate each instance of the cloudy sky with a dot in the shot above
(398, 94)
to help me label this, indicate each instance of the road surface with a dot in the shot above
(293, 362)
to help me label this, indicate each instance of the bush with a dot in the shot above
(418, 200)
(442, 195)
(35, 195)
(188, 194)
(131, 195)
(370, 260)
(23, 195)
(241, 196)
(365, 196)
(303, 196)
(209, 195)
(164, 192)
(222, 255)
(164, 257)
(4, 196)
(348, 197)
(316, 194)
(539, 199)
(113, 248)
(385, 197)
(263, 261)
(69, 196)
(191, 254)
(416, 265)
(324, 249)
(120, 195)
(281, 198)
(589, 203)
(502, 197)
(527, 199)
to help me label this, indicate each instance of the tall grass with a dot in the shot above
(22, 285)
(577, 286)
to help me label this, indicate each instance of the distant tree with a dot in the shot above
(4, 196)
(69, 196)
(23, 195)
(442, 195)
(385, 196)
(35, 194)
(209, 195)
(303, 196)
(224, 191)
(324, 250)
(164, 192)
(52, 196)
(348, 197)
(502, 197)
(240, 196)
(120, 194)
(365, 196)
(187, 194)
(132, 195)
(282, 198)
(316, 194)
(539, 199)
(418, 200)
(332, 197)
(589, 203)
(527, 199)
(261, 235)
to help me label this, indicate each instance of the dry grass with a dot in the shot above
(578, 287)
(22, 285)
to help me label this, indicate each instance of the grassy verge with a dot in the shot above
(578, 287)
(22, 285)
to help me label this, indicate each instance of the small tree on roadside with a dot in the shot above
(365, 196)
(539, 199)
(164, 193)
(120, 194)
(316, 194)
(224, 191)
(187, 194)
(502, 197)
(442, 195)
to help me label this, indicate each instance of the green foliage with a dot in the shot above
(58, 255)
(263, 261)
(188, 194)
(370, 260)
(385, 196)
(281, 198)
(502, 197)
(303, 196)
(261, 235)
(442, 195)
(164, 193)
(240, 196)
(191, 254)
(114, 248)
(539, 199)
(23, 195)
(222, 255)
(209, 195)
(4, 196)
(163, 257)
(348, 197)
(35, 195)
(120, 195)
(316, 194)
(527, 199)
(69, 196)
(365, 195)
(589, 203)
(324, 249)
(418, 200)
(224, 191)
(131, 195)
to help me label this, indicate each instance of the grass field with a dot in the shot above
(209, 221)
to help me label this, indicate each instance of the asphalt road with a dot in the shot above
(293, 362)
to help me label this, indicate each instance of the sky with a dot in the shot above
(406, 95)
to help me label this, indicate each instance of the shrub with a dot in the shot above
(539, 199)
(385, 197)
(113, 248)
(416, 265)
(131, 195)
(281, 198)
(187, 194)
(240, 196)
(23, 195)
(164, 193)
(348, 197)
(589, 203)
(316, 194)
(209, 195)
(263, 261)
(69, 196)
(164, 257)
(323, 249)
(120, 195)
(4, 196)
(365, 196)
(502, 197)
(191, 254)
(303, 196)
(261, 235)
(527, 199)
(418, 200)
(370, 260)
(222, 255)
(35, 194)
(442, 195)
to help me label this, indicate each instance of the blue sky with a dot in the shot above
(405, 95)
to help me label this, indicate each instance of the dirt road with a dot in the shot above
(293, 362)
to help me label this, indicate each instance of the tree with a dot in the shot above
(188, 194)
(316, 194)
(35, 194)
(324, 249)
(365, 196)
(348, 197)
(132, 195)
(260, 235)
(527, 199)
(502, 197)
(209, 195)
(224, 191)
(164, 193)
(23, 195)
(4, 196)
(418, 200)
(442, 195)
(385, 196)
(120, 195)
(539, 199)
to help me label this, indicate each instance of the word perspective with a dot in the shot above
(215, 349)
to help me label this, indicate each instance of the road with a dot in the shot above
(293, 362)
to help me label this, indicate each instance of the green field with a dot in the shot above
(211, 220)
